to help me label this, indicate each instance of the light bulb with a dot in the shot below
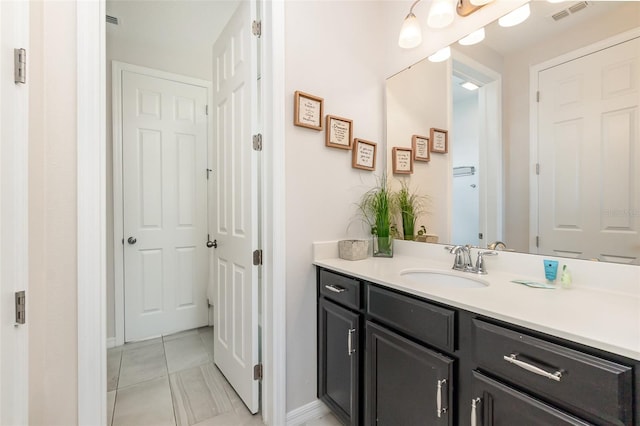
(475, 37)
(515, 17)
(441, 55)
(441, 14)
(410, 33)
(479, 2)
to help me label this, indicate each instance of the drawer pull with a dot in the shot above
(475, 402)
(441, 410)
(539, 371)
(350, 349)
(334, 288)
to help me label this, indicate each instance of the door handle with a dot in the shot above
(475, 403)
(350, 348)
(131, 240)
(441, 410)
(213, 243)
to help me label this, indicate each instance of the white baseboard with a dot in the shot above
(311, 411)
(111, 342)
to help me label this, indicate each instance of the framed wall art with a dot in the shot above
(402, 161)
(364, 155)
(420, 145)
(439, 141)
(339, 132)
(308, 110)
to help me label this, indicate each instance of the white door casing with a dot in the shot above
(164, 163)
(235, 218)
(588, 151)
(14, 214)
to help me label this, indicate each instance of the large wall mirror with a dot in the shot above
(556, 173)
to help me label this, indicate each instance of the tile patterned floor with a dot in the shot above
(172, 381)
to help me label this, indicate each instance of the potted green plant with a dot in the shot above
(378, 210)
(410, 205)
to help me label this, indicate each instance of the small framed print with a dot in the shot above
(402, 161)
(364, 155)
(439, 141)
(420, 145)
(308, 110)
(339, 132)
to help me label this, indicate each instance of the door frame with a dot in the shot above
(118, 206)
(91, 165)
(534, 70)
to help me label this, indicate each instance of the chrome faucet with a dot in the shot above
(497, 245)
(462, 261)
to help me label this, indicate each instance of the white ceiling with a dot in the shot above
(176, 23)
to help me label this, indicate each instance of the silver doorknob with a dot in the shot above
(131, 240)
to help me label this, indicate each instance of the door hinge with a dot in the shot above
(21, 307)
(257, 257)
(538, 96)
(206, 110)
(256, 28)
(209, 171)
(257, 372)
(257, 142)
(537, 241)
(537, 168)
(20, 66)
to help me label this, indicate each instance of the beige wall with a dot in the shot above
(416, 101)
(52, 215)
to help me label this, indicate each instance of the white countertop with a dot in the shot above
(600, 318)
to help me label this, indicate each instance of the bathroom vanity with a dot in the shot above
(393, 351)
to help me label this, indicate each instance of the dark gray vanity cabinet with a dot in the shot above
(386, 357)
(339, 347)
(406, 383)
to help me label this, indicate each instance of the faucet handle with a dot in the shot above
(480, 267)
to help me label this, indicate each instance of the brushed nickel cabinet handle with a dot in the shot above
(350, 348)
(441, 410)
(475, 402)
(334, 288)
(513, 359)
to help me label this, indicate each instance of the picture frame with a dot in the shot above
(421, 150)
(439, 140)
(308, 110)
(339, 132)
(402, 161)
(364, 154)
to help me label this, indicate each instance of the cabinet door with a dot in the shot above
(496, 404)
(407, 384)
(338, 366)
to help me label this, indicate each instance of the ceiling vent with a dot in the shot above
(577, 7)
(112, 20)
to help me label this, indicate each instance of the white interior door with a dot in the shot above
(14, 213)
(589, 151)
(164, 138)
(235, 217)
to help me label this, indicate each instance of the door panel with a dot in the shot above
(404, 379)
(588, 151)
(165, 196)
(235, 215)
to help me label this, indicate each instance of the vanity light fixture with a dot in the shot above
(475, 37)
(479, 2)
(410, 33)
(441, 14)
(515, 17)
(441, 55)
(555, 1)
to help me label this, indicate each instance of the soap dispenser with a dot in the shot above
(565, 278)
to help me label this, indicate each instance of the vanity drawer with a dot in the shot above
(594, 388)
(344, 290)
(421, 320)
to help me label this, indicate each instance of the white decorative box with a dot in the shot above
(353, 249)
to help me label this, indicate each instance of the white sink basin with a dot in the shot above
(443, 279)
